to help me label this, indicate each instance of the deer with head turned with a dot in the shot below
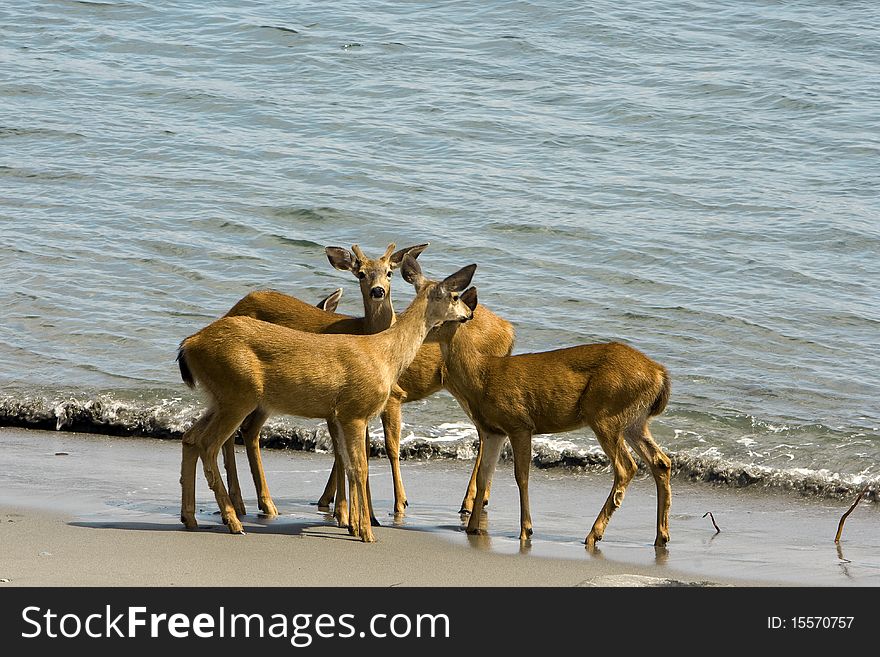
(612, 388)
(246, 365)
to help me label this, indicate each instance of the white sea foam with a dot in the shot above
(169, 417)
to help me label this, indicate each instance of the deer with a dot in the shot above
(611, 387)
(246, 365)
(285, 310)
(424, 377)
(421, 379)
(328, 304)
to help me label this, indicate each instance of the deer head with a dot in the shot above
(374, 274)
(444, 299)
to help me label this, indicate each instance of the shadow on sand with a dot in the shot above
(307, 529)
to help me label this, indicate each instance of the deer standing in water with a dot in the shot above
(246, 365)
(612, 388)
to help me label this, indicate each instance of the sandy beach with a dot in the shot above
(85, 510)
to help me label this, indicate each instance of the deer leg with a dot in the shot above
(521, 443)
(340, 506)
(188, 486)
(250, 434)
(353, 432)
(232, 476)
(189, 461)
(467, 504)
(373, 520)
(624, 470)
(217, 431)
(492, 444)
(329, 488)
(640, 439)
(354, 516)
(391, 425)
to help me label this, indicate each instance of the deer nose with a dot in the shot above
(378, 293)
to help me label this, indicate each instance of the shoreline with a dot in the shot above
(129, 416)
(43, 549)
(104, 513)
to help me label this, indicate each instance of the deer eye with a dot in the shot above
(455, 297)
(389, 273)
(361, 275)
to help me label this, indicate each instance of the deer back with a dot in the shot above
(553, 391)
(282, 309)
(248, 363)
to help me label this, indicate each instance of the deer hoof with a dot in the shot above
(269, 509)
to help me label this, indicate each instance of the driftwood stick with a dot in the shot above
(717, 528)
(843, 517)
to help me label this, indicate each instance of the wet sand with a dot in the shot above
(79, 509)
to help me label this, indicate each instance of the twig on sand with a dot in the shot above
(717, 528)
(843, 517)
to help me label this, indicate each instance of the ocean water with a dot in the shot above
(698, 179)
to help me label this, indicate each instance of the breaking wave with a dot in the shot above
(169, 418)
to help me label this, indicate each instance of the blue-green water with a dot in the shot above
(698, 179)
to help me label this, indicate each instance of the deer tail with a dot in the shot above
(185, 373)
(662, 397)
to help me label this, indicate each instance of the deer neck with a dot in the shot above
(465, 364)
(378, 316)
(404, 338)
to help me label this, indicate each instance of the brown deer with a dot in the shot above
(612, 388)
(278, 308)
(328, 304)
(424, 376)
(421, 379)
(246, 365)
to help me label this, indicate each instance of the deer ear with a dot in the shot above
(331, 301)
(415, 251)
(469, 298)
(459, 280)
(412, 272)
(340, 258)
